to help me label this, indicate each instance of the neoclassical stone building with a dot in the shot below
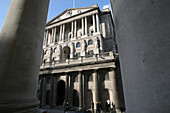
(79, 60)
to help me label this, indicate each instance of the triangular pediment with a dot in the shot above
(71, 12)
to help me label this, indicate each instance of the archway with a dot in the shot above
(89, 98)
(48, 98)
(60, 92)
(105, 97)
(65, 53)
(75, 98)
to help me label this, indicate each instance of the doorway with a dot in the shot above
(60, 92)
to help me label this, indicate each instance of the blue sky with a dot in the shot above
(56, 7)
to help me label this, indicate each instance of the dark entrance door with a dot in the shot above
(75, 98)
(60, 92)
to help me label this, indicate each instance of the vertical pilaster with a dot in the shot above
(94, 23)
(75, 28)
(63, 35)
(85, 25)
(80, 90)
(44, 37)
(82, 21)
(98, 23)
(72, 29)
(61, 27)
(67, 87)
(46, 41)
(54, 36)
(43, 98)
(54, 92)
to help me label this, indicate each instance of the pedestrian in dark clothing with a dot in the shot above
(97, 108)
(92, 106)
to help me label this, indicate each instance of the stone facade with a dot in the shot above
(78, 60)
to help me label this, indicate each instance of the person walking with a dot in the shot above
(92, 106)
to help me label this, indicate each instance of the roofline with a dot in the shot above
(97, 7)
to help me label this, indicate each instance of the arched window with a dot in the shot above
(55, 50)
(90, 42)
(106, 77)
(78, 45)
(91, 77)
(76, 78)
(46, 52)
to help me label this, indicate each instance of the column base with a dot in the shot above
(23, 106)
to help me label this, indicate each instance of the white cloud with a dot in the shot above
(107, 6)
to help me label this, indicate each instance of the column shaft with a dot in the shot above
(96, 89)
(75, 28)
(63, 35)
(61, 27)
(54, 35)
(94, 23)
(82, 27)
(21, 40)
(72, 29)
(85, 25)
(80, 90)
(98, 23)
(46, 41)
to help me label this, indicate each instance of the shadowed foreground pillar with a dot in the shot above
(143, 36)
(20, 49)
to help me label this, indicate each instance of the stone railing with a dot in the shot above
(79, 60)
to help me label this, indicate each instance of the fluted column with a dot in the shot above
(98, 23)
(80, 90)
(75, 28)
(96, 85)
(21, 40)
(82, 27)
(115, 89)
(94, 23)
(63, 35)
(61, 27)
(72, 29)
(46, 40)
(85, 25)
(54, 36)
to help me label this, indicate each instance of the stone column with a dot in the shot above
(98, 23)
(67, 87)
(46, 41)
(85, 25)
(96, 89)
(54, 36)
(94, 23)
(82, 27)
(75, 28)
(54, 92)
(61, 27)
(20, 51)
(72, 29)
(112, 74)
(63, 35)
(80, 90)
(84, 90)
(45, 32)
(144, 56)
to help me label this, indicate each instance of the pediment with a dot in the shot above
(71, 12)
